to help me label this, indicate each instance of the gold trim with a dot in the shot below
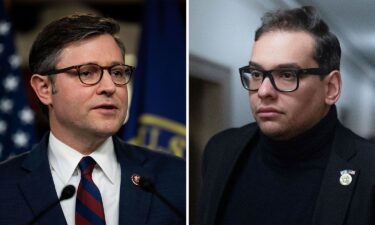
(167, 124)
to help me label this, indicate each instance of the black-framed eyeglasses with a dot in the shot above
(92, 73)
(283, 80)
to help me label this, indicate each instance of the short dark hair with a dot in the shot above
(327, 49)
(50, 42)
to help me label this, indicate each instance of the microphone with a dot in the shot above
(147, 185)
(67, 192)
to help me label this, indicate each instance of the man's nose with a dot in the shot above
(106, 84)
(266, 89)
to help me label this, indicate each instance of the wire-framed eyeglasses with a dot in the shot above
(92, 73)
(283, 80)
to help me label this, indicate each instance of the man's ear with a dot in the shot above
(332, 83)
(42, 87)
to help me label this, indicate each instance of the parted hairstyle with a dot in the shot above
(50, 42)
(327, 46)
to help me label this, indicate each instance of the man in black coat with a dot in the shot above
(297, 164)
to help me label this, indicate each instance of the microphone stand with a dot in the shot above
(147, 185)
(66, 193)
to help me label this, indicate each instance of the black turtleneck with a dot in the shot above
(277, 182)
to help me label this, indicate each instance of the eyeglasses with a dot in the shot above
(283, 80)
(91, 73)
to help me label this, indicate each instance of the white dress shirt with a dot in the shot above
(106, 175)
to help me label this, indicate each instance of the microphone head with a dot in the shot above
(67, 192)
(146, 183)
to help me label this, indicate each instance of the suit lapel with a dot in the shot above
(334, 197)
(39, 190)
(38, 187)
(134, 201)
(228, 162)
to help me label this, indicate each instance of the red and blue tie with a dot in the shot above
(89, 205)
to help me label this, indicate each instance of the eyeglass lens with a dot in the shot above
(284, 80)
(92, 74)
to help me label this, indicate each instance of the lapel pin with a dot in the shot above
(136, 179)
(346, 178)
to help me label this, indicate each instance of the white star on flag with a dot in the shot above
(3, 126)
(20, 139)
(17, 130)
(6, 105)
(14, 61)
(4, 28)
(11, 83)
(26, 115)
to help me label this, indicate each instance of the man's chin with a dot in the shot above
(107, 131)
(273, 130)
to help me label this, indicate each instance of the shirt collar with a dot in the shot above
(105, 157)
(64, 159)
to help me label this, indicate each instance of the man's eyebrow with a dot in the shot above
(254, 64)
(280, 66)
(288, 66)
(112, 63)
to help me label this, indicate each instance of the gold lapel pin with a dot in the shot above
(136, 179)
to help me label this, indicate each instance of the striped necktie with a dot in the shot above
(89, 205)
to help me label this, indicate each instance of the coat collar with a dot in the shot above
(134, 201)
(222, 176)
(333, 199)
(38, 187)
(39, 190)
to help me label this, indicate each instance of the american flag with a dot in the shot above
(17, 132)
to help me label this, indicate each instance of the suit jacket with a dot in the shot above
(336, 203)
(26, 187)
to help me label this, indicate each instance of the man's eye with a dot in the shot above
(117, 73)
(286, 74)
(85, 73)
(256, 74)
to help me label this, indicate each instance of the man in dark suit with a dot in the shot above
(297, 164)
(80, 76)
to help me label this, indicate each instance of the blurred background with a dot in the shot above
(155, 39)
(220, 41)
